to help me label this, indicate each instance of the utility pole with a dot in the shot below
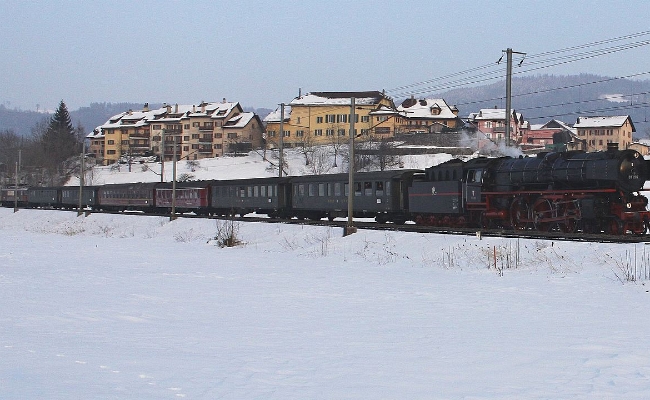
(350, 228)
(162, 156)
(509, 52)
(173, 216)
(16, 189)
(81, 176)
(281, 161)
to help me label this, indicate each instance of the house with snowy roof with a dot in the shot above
(428, 115)
(554, 135)
(492, 123)
(324, 117)
(599, 131)
(190, 132)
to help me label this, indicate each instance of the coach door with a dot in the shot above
(473, 185)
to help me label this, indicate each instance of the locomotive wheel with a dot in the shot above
(569, 212)
(542, 210)
(520, 214)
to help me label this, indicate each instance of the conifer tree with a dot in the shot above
(59, 142)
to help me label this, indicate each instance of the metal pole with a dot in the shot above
(173, 216)
(509, 54)
(81, 177)
(350, 228)
(162, 156)
(16, 189)
(281, 161)
(508, 93)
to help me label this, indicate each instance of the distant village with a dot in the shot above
(214, 129)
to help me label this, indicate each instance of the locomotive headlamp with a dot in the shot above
(628, 205)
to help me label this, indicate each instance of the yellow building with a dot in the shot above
(324, 118)
(599, 131)
(192, 132)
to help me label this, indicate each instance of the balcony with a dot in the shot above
(139, 135)
(208, 139)
(205, 150)
(206, 128)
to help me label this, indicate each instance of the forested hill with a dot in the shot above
(539, 98)
(544, 97)
(22, 122)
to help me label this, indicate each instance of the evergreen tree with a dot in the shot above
(59, 142)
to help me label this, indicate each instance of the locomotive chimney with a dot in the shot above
(612, 146)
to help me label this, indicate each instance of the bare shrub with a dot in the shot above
(227, 233)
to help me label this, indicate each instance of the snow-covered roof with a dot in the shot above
(492, 114)
(169, 113)
(600, 122)
(338, 98)
(275, 116)
(416, 109)
(239, 121)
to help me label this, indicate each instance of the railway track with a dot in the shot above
(504, 233)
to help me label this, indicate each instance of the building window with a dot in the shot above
(232, 135)
(187, 126)
(318, 132)
(330, 118)
(300, 133)
(319, 120)
(111, 142)
(365, 118)
(329, 132)
(341, 132)
(110, 151)
(270, 133)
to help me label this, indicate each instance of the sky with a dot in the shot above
(262, 53)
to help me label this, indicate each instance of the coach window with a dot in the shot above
(387, 186)
(367, 188)
(242, 191)
(357, 188)
(312, 190)
(379, 188)
(330, 189)
(256, 191)
(263, 191)
(337, 189)
(346, 190)
(321, 189)
(301, 189)
(272, 191)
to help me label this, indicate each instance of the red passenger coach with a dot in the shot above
(190, 196)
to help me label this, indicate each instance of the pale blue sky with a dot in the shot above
(261, 52)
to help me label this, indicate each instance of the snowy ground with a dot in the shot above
(251, 166)
(132, 307)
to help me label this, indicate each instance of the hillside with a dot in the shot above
(537, 97)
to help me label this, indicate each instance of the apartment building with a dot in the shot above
(598, 131)
(190, 132)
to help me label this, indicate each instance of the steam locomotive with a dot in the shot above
(565, 192)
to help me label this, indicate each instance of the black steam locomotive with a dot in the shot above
(566, 192)
(569, 191)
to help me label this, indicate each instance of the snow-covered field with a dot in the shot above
(132, 307)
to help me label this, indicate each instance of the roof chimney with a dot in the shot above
(176, 109)
(168, 107)
(224, 99)
(146, 107)
(193, 108)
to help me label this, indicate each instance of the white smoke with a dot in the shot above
(484, 146)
